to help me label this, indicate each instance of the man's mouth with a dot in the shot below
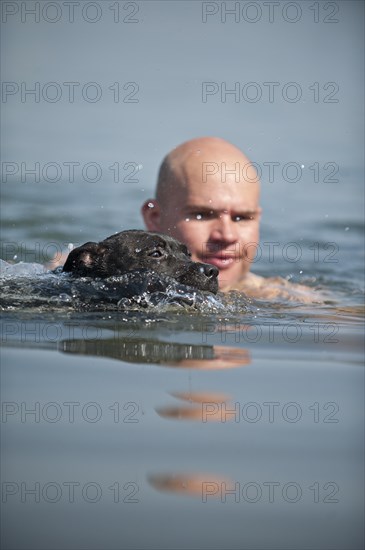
(221, 261)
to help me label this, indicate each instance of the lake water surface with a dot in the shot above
(185, 429)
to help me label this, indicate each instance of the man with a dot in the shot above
(207, 196)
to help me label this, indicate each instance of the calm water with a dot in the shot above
(182, 429)
(144, 423)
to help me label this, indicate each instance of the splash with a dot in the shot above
(25, 286)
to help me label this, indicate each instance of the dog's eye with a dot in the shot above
(186, 251)
(156, 253)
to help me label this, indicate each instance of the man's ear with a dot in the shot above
(151, 213)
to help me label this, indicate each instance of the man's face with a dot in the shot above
(216, 215)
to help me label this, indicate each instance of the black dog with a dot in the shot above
(141, 252)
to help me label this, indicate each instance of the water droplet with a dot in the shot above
(65, 297)
(347, 229)
(61, 298)
(151, 205)
(300, 271)
(302, 166)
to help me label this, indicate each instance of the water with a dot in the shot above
(144, 421)
(185, 428)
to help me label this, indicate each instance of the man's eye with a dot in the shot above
(156, 254)
(203, 215)
(243, 218)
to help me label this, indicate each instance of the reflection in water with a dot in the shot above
(134, 350)
(224, 358)
(207, 410)
(203, 406)
(198, 406)
(202, 485)
(171, 354)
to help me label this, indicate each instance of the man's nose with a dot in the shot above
(224, 229)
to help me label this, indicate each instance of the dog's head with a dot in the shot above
(134, 250)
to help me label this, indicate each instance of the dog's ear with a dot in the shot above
(82, 259)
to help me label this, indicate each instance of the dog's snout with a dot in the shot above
(209, 270)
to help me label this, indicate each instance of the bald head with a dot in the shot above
(205, 157)
(207, 197)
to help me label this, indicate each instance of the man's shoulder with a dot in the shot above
(269, 288)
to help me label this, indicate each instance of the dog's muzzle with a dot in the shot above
(202, 276)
